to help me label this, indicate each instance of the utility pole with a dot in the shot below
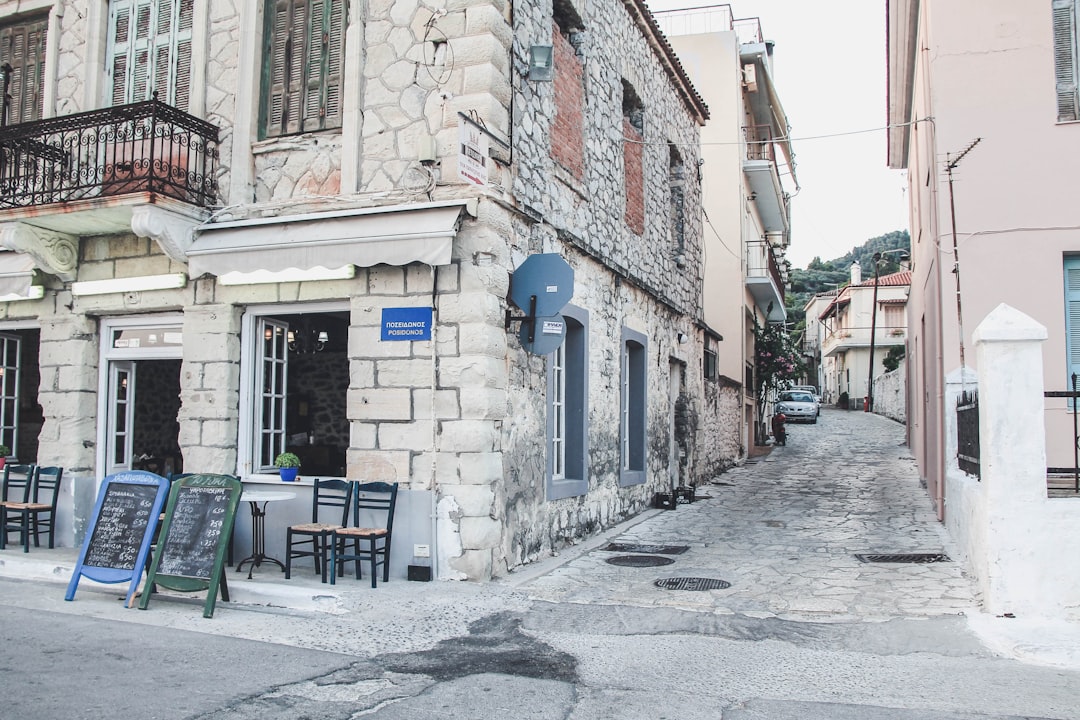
(950, 165)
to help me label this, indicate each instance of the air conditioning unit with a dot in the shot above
(749, 77)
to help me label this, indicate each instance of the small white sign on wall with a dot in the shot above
(472, 153)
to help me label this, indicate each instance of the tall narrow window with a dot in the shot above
(568, 409)
(633, 158)
(22, 46)
(677, 199)
(10, 368)
(302, 66)
(1072, 318)
(150, 51)
(568, 128)
(632, 424)
(272, 382)
(1065, 61)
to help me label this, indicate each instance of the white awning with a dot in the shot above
(16, 274)
(393, 235)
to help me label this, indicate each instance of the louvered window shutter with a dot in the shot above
(1065, 72)
(23, 47)
(1072, 316)
(150, 50)
(302, 71)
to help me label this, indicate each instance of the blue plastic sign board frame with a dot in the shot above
(407, 323)
(547, 277)
(124, 520)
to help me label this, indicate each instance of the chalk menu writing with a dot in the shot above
(198, 519)
(126, 511)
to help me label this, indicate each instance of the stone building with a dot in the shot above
(217, 217)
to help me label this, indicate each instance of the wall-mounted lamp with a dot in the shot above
(541, 62)
(683, 338)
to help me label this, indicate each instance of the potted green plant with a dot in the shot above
(288, 465)
(4, 452)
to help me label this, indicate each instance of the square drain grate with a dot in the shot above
(917, 558)
(692, 583)
(648, 549)
(639, 560)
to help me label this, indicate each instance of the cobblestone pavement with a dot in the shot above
(784, 531)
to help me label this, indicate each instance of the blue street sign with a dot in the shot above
(408, 323)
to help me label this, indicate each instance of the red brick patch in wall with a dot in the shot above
(567, 135)
(633, 153)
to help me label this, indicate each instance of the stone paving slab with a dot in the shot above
(784, 531)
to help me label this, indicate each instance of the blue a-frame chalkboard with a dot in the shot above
(118, 540)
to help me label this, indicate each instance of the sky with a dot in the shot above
(829, 67)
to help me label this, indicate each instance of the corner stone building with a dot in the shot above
(210, 212)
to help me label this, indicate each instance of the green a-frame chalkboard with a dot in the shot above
(190, 554)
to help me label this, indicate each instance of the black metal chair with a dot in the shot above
(373, 504)
(38, 512)
(312, 539)
(17, 482)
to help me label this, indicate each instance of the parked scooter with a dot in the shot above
(779, 430)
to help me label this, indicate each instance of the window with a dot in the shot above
(22, 46)
(10, 369)
(1072, 319)
(709, 363)
(677, 197)
(633, 127)
(295, 374)
(1065, 70)
(632, 425)
(568, 128)
(150, 51)
(302, 67)
(568, 409)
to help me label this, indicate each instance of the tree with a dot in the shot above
(893, 358)
(777, 364)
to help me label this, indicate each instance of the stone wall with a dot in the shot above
(722, 414)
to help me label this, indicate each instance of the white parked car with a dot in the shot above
(810, 389)
(798, 406)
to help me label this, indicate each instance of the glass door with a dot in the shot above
(121, 416)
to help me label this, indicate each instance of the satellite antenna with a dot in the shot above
(541, 286)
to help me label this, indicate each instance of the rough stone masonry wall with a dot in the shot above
(623, 277)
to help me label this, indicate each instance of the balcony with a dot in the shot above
(763, 175)
(764, 280)
(82, 173)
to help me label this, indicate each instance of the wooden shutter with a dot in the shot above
(150, 50)
(1072, 317)
(302, 73)
(1064, 14)
(22, 45)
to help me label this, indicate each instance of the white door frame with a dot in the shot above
(109, 354)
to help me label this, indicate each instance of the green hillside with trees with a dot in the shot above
(828, 275)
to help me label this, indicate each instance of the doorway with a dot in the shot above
(140, 398)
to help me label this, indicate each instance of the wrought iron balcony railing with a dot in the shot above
(142, 147)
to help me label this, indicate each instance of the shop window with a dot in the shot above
(296, 372)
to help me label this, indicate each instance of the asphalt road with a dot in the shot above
(552, 661)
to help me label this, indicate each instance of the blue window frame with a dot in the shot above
(632, 421)
(568, 409)
(1072, 319)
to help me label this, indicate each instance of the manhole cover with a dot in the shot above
(639, 560)
(692, 583)
(903, 558)
(653, 549)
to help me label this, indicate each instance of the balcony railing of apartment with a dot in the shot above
(142, 147)
(759, 143)
(761, 263)
(708, 19)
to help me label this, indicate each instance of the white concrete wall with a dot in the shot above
(890, 394)
(1015, 538)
